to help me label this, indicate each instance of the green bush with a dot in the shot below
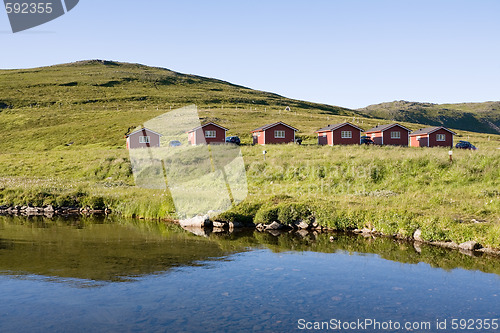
(266, 215)
(288, 213)
(244, 212)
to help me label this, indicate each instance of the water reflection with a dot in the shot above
(114, 249)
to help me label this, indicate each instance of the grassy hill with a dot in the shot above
(49, 105)
(475, 117)
(63, 144)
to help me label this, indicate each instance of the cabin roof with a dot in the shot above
(265, 127)
(381, 128)
(429, 130)
(209, 123)
(336, 126)
(143, 129)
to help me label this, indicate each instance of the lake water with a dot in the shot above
(118, 275)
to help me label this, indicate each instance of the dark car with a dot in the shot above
(365, 140)
(233, 139)
(465, 145)
(175, 143)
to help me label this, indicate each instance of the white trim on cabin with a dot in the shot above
(395, 135)
(210, 134)
(279, 134)
(346, 134)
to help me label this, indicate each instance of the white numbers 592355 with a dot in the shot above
(28, 8)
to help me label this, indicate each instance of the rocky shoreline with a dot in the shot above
(50, 211)
(200, 224)
(196, 224)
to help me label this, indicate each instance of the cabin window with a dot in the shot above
(279, 134)
(418, 137)
(144, 139)
(346, 134)
(210, 134)
(324, 135)
(440, 137)
(395, 135)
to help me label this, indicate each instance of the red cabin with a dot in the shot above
(432, 137)
(143, 138)
(206, 134)
(274, 133)
(339, 134)
(392, 134)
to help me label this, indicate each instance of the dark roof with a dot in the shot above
(429, 130)
(381, 128)
(144, 129)
(265, 127)
(335, 126)
(209, 123)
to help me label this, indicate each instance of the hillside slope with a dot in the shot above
(475, 117)
(97, 102)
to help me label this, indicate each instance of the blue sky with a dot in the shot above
(349, 53)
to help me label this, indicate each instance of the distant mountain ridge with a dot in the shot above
(475, 117)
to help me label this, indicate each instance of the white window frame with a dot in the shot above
(210, 134)
(144, 139)
(324, 135)
(279, 134)
(346, 134)
(440, 137)
(395, 135)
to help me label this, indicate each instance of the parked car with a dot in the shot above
(465, 145)
(175, 143)
(233, 139)
(366, 140)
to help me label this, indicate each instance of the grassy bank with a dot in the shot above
(392, 189)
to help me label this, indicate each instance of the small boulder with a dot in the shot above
(48, 209)
(274, 226)
(366, 231)
(219, 224)
(470, 246)
(196, 221)
(417, 235)
(303, 225)
(260, 227)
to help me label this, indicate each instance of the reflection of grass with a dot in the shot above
(117, 249)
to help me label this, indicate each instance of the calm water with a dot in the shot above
(123, 276)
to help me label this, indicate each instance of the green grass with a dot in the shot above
(391, 189)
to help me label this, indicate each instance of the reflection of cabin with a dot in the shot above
(143, 138)
(274, 133)
(339, 134)
(432, 137)
(207, 133)
(392, 134)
